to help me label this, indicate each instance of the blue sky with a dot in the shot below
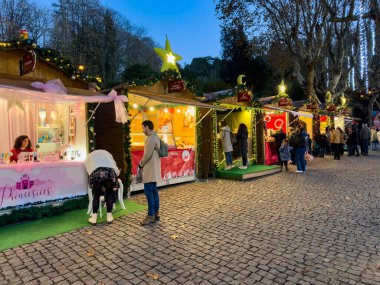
(191, 25)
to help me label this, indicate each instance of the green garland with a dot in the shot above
(53, 57)
(35, 212)
(199, 141)
(254, 136)
(215, 139)
(91, 127)
(127, 150)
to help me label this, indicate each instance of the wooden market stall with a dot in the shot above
(174, 118)
(237, 113)
(49, 107)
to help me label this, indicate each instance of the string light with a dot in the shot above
(327, 74)
(135, 106)
(254, 137)
(363, 47)
(373, 37)
(151, 108)
(353, 86)
(215, 136)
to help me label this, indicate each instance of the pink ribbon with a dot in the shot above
(121, 114)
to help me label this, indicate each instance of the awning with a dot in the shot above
(142, 97)
(299, 114)
(18, 94)
(26, 84)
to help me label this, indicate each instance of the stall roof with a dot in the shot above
(24, 84)
(155, 99)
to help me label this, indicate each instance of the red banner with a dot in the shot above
(176, 86)
(179, 163)
(276, 121)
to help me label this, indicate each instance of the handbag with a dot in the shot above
(139, 175)
(308, 157)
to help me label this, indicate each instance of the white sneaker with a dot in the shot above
(299, 171)
(227, 167)
(93, 219)
(109, 218)
(232, 166)
(242, 167)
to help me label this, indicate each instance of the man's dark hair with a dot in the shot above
(148, 124)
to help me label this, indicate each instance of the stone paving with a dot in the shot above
(322, 227)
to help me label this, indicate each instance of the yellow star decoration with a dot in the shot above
(168, 57)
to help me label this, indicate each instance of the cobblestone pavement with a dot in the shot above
(322, 227)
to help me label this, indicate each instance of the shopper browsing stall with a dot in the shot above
(225, 135)
(151, 167)
(103, 172)
(242, 141)
(22, 144)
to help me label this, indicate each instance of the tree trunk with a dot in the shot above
(310, 76)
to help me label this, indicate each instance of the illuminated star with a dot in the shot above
(168, 57)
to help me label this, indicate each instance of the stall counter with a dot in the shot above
(33, 182)
(178, 165)
(270, 153)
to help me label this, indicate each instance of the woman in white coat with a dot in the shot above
(225, 136)
(103, 172)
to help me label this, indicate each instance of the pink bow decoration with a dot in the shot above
(52, 86)
(120, 110)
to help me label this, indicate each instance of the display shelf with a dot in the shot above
(45, 135)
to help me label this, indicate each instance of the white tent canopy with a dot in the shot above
(23, 95)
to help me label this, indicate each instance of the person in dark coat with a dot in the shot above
(352, 142)
(322, 142)
(278, 138)
(242, 141)
(292, 136)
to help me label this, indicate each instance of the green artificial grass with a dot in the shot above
(237, 174)
(19, 234)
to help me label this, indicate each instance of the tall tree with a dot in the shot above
(23, 14)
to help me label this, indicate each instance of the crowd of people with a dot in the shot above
(297, 146)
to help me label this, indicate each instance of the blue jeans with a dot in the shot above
(365, 147)
(374, 145)
(151, 193)
(300, 158)
(322, 151)
(228, 158)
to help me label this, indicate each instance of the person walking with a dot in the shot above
(103, 172)
(374, 139)
(285, 154)
(279, 136)
(352, 142)
(322, 142)
(335, 142)
(365, 135)
(300, 142)
(242, 141)
(292, 136)
(225, 135)
(342, 140)
(150, 164)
